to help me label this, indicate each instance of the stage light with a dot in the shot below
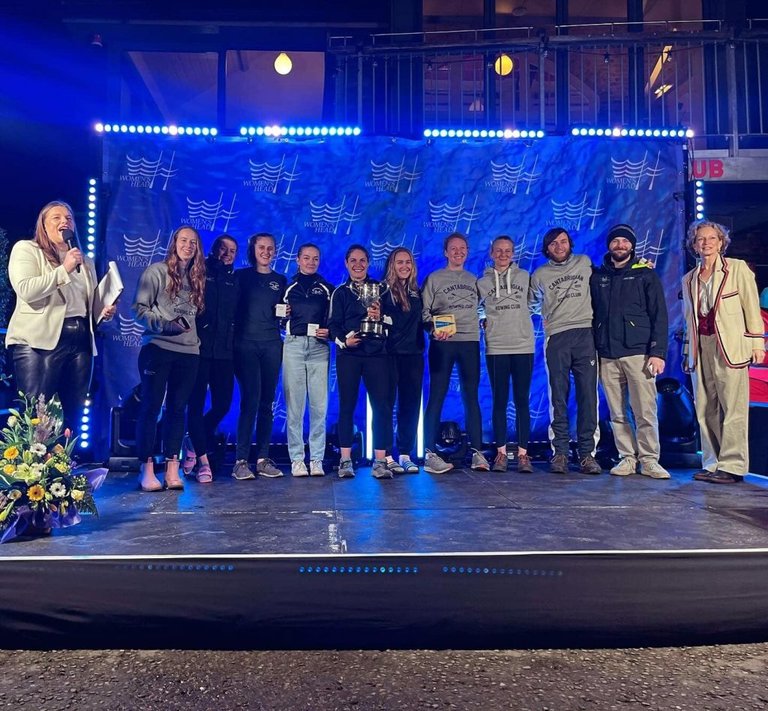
(689, 133)
(503, 65)
(574, 131)
(140, 129)
(368, 429)
(283, 64)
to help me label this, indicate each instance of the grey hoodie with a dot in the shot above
(453, 292)
(156, 311)
(560, 293)
(504, 296)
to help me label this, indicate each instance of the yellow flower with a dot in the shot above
(34, 421)
(36, 493)
(11, 453)
(77, 495)
(14, 494)
(61, 466)
(9, 469)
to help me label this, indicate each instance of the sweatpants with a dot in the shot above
(519, 367)
(572, 352)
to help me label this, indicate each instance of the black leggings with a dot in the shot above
(218, 376)
(518, 366)
(65, 371)
(257, 369)
(164, 375)
(442, 356)
(406, 378)
(374, 372)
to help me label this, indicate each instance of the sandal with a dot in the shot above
(204, 474)
(189, 463)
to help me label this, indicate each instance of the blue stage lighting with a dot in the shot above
(315, 131)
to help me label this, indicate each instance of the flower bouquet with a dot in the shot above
(40, 488)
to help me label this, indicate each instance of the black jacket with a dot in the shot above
(309, 296)
(405, 334)
(630, 312)
(216, 324)
(346, 313)
(255, 320)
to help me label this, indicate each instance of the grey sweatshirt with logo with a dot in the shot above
(453, 292)
(504, 297)
(157, 312)
(560, 293)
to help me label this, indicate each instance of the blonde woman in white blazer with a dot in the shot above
(50, 333)
(724, 336)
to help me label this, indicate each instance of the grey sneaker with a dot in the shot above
(298, 468)
(435, 465)
(500, 462)
(266, 467)
(653, 470)
(241, 471)
(559, 464)
(479, 462)
(380, 470)
(627, 466)
(589, 465)
(316, 468)
(346, 470)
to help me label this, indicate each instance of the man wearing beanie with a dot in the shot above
(630, 322)
(559, 291)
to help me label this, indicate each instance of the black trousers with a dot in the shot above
(519, 367)
(217, 377)
(573, 351)
(406, 379)
(64, 371)
(164, 375)
(257, 369)
(442, 357)
(374, 372)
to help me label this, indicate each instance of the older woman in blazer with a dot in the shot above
(50, 332)
(724, 335)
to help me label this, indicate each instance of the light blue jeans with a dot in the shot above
(305, 373)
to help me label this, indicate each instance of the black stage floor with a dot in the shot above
(465, 559)
(462, 511)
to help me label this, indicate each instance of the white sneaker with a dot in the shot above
(654, 470)
(627, 466)
(316, 468)
(298, 468)
(435, 465)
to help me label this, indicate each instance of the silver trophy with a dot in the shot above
(369, 293)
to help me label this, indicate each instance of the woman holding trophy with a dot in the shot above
(355, 326)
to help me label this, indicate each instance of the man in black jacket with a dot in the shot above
(630, 324)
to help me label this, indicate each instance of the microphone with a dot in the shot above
(69, 238)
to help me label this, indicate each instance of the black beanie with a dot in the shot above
(624, 231)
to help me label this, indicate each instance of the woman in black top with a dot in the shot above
(258, 354)
(402, 308)
(360, 358)
(215, 372)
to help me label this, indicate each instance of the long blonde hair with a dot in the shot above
(195, 269)
(401, 291)
(41, 237)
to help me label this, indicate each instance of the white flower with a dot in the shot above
(38, 448)
(13, 421)
(58, 489)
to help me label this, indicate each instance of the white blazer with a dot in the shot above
(41, 307)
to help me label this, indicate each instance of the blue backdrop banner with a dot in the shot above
(383, 193)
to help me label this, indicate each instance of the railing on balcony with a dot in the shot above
(697, 75)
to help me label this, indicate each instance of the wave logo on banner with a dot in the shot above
(326, 217)
(649, 250)
(285, 257)
(129, 332)
(266, 177)
(381, 250)
(143, 173)
(571, 214)
(203, 215)
(629, 175)
(140, 252)
(391, 177)
(450, 218)
(506, 178)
